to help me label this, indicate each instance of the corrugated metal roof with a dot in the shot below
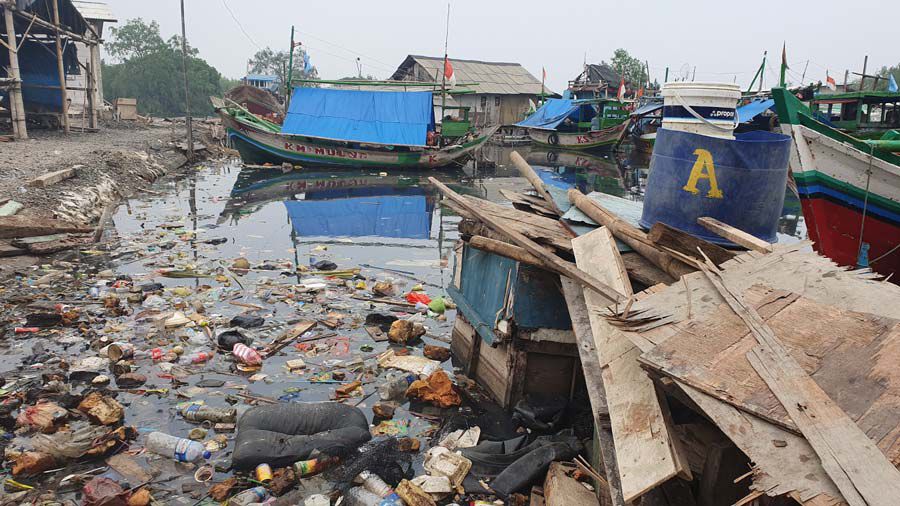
(94, 11)
(497, 78)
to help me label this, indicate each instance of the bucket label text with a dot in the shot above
(704, 168)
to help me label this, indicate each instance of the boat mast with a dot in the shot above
(289, 88)
(444, 70)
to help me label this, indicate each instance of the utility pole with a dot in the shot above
(694, 77)
(61, 68)
(187, 90)
(288, 87)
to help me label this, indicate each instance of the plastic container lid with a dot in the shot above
(207, 454)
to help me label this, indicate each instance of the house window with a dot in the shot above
(496, 101)
(483, 102)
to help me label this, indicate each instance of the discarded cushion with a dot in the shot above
(282, 434)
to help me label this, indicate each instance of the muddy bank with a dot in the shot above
(114, 163)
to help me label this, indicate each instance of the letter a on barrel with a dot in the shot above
(704, 169)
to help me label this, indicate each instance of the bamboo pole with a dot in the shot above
(187, 90)
(17, 107)
(33, 18)
(507, 250)
(528, 173)
(630, 235)
(64, 95)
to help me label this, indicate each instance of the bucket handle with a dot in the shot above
(704, 120)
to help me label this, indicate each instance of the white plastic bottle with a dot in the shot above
(395, 386)
(248, 497)
(373, 483)
(358, 496)
(180, 449)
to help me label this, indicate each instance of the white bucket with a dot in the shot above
(701, 108)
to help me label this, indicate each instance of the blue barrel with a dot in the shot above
(740, 182)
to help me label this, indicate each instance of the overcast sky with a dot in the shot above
(725, 40)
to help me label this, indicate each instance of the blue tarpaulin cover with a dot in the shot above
(377, 117)
(753, 109)
(405, 216)
(551, 114)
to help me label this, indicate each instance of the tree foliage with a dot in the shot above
(275, 63)
(629, 67)
(150, 70)
(884, 72)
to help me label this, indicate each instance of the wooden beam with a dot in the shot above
(670, 237)
(506, 250)
(858, 468)
(17, 106)
(735, 235)
(33, 18)
(630, 235)
(64, 96)
(593, 379)
(646, 450)
(532, 247)
(528, 173)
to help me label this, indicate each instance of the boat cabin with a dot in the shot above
(577, 116)
(859, 111)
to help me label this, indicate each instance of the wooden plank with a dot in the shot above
(505, 249)
(630, 235)
(735, 235)
(560, 489)
(28, 226)
(859, 469)
(528, 173)
(52, 178)
(57, 245)
(593, 379)
(534, 248)
(643, 271)
(670, 237)
(646, 451)
(527, 203)
(8, 250)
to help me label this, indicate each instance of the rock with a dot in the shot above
(100, 380)
(102, 409)
(405, 331)
(409, 444)
(325, 265)
(139, 498)
(438, 353)
(384, 409)
(130, 380)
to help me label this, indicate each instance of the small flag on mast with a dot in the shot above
(621, 93)
(784, 64)
(448, 72)
(829, 81)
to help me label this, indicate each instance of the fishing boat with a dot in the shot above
(849, 190)
(577, 124)
(350, 128)
(865, 114)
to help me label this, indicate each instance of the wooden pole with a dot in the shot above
(187, 90)
(565, 268)
(862, 80)
(288, 86)
(528, 173)
(96, 85)
(17, 108)
(64, 95)
(846, 76)
(444, 70)
(507, 250)
(630, 235)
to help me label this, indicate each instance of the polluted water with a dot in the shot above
(158, 356)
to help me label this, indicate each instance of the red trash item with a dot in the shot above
(104, 492)
(414, 297)
(246, 354)
(26, 330)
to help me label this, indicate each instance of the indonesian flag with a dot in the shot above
(621, 93)
(829, 81)
(544, 71)
(448, 72)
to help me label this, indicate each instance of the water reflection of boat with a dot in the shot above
(350, 128)
(567, 169)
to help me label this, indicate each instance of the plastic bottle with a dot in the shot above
(429, 369)
(310, 467)
(198, 413)
(246, 354)
(358, 496)
(250, 496)
(395, 386)
(180, 449)
(373, 483)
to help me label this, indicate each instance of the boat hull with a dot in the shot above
(832, 180)
(597, 139)
(257, 146)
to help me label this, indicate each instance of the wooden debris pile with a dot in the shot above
(750, 378)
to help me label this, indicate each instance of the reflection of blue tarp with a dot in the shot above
(753, 109)
(551, 114)
(382, 216)
(377, 117)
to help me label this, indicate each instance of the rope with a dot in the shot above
(704, 120)
(862, 224)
